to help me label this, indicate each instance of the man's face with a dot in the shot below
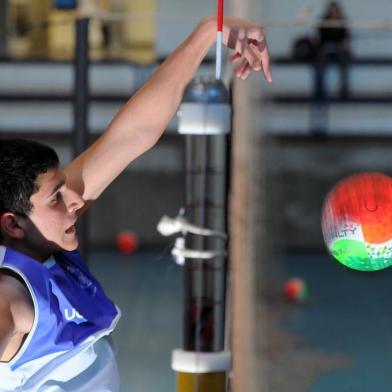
(50, 226)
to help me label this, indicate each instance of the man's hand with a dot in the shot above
(248, 40)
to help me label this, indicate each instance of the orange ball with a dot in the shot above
(127, 242)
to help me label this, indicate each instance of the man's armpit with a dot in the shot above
(16, 315)
(7, 325)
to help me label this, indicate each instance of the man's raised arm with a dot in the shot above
(142, 120)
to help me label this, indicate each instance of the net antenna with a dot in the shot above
(218, 61)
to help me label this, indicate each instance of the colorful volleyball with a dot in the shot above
(357, 221)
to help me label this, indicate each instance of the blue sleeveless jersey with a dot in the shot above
(71, 309)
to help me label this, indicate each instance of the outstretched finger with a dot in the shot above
(245, 72)
(250, 55)
(256, 64)
(242, 69)
(265, 60)
(235, 58)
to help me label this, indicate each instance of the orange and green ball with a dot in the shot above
(295, 290)
(357, 221)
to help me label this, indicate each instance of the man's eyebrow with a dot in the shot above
(57, 187)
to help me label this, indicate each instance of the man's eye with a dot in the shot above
(57, 198)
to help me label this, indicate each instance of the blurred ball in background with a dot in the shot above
(295, 290)
(127, 242)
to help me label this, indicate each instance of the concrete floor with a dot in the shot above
(146, 286)
(339, 339)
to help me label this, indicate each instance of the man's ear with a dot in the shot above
(10, 226)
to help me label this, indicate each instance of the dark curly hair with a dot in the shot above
(21, 161)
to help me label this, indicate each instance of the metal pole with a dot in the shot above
(81, 96)
(205, 119)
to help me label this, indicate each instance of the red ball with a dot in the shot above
(295, 290)
(127, 242)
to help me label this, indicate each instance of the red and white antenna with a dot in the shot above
(218, 64)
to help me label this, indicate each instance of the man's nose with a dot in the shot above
(75, 201)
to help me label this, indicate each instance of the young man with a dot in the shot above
(54, 316)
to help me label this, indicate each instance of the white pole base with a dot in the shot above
(200, 362)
